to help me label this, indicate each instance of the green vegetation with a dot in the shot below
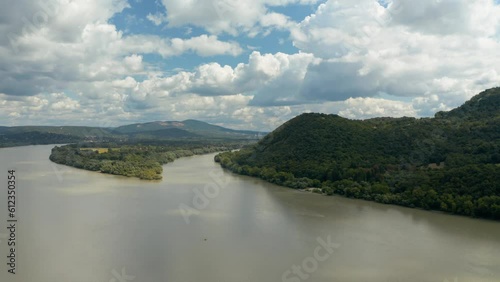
(449, 163)
(133, 160)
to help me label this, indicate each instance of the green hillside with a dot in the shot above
(165, 133)
(149, 126)
(449, 163)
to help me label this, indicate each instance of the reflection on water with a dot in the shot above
(83, 226)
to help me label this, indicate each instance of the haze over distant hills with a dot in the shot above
(188, 129)
(193, 126)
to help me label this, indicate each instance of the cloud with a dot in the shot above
(60, 20)
(133, 62)
(225, 16)
(363, 49)
(362, 108)
(271, 79)
(66, 61)
(157, 18)
(338, 81)
(207, 46)
(445, 17)
(127, 83)
(413, 49)
(62, 51)
(62, 103)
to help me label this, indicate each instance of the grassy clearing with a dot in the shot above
(100, 150)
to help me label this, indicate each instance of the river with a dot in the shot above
(204, 224)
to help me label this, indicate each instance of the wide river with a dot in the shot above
(204, 224)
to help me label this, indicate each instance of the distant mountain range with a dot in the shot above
(159, 130)
(196, 127)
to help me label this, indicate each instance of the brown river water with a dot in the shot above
(204, 224)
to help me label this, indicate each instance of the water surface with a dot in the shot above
(80, 226)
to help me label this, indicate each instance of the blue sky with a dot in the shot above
(134, 20)
(246, 64)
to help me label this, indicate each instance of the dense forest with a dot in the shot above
(449, 163)
(134, 160)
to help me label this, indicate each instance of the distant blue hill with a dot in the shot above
(188, 129)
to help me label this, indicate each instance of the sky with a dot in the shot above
(243, 64)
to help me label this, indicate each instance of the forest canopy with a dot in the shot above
(133, 160)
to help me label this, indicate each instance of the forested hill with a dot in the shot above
(449, 163)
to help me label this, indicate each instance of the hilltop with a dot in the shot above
(195, 127)
(485, 105)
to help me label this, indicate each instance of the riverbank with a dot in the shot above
(426, 198)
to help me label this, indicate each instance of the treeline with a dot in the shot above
(141, 161)
(34, 138)
(471, 190)
(449, 163)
